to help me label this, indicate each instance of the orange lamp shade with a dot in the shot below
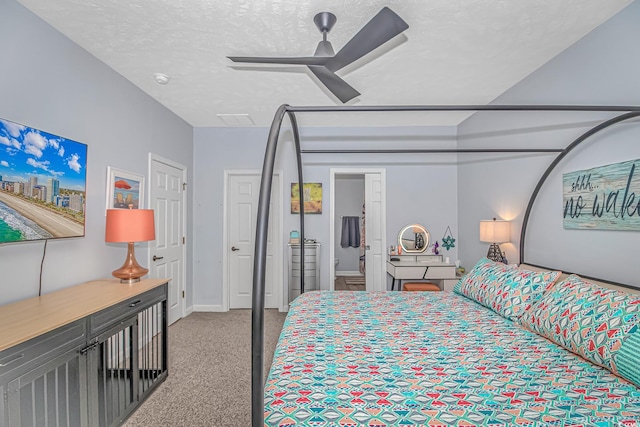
(130, 225)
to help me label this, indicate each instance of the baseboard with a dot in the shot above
(189, 310)
(208, 308)
(348, 273)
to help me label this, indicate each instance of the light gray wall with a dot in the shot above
(420, 188)
(50, 83)
(602, 68)
(349, 199)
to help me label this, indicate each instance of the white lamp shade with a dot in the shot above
(495, 231)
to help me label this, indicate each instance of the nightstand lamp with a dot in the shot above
(130, 226)
(495, 232)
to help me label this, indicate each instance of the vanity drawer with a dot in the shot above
(440, 272)
(409, 272)
(22, 357)
(422, 272)
(101, 320)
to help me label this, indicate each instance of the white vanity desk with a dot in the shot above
(421, 267)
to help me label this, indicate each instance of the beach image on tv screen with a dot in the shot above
(42, 184)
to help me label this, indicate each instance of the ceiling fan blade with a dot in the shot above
(335, 84)
(379, 30)
(303, 60)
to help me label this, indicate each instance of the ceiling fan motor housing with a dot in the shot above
(324, 49)
(325, 21)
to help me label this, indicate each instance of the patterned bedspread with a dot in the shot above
(426, 359)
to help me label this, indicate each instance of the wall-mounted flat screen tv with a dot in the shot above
(42, 185)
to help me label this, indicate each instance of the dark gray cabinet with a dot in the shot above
(41, 380)
(93, 371)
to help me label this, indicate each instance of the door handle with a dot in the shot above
(367, 248)
(233, 248)
(156, 258)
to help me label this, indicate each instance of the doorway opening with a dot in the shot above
(349, 232)
(357, 229)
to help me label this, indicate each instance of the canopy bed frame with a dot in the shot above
(624, 113)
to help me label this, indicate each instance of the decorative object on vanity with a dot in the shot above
(448, 241)
(125, 190)
(602, 198)
(130, 226)
(413, 238)
(312, 196)
(495, 232)
(42, 185)
(324, 62)
(435, 249)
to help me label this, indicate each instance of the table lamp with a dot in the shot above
(495, 232)
(130, 226)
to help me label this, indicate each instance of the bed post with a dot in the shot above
(296, 140)
(554, 163)
(259, 268)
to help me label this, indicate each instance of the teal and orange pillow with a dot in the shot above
(599, 324)
(505, 289)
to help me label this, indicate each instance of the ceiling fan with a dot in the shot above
(324, 62)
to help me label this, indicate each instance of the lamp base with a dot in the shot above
(129, 281)
(131, 271)
(494, 253)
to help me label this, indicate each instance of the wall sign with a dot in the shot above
(604, 198)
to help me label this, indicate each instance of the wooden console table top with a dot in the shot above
(23, 320)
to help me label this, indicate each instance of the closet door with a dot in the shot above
(242, 207)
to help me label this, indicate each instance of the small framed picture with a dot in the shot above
(125, 190)
(312, 198)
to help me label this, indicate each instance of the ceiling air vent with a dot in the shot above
(236, 119)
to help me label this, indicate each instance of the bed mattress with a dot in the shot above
(427, 359)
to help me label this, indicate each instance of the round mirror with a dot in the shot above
(413, 238)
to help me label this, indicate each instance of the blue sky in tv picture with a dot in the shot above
(42, 184)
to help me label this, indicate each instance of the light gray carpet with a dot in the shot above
(209, 382)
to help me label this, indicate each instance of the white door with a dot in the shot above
(243, 190)
(375, 227)
(167, 252)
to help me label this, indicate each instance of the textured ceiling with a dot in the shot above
(454, 52)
